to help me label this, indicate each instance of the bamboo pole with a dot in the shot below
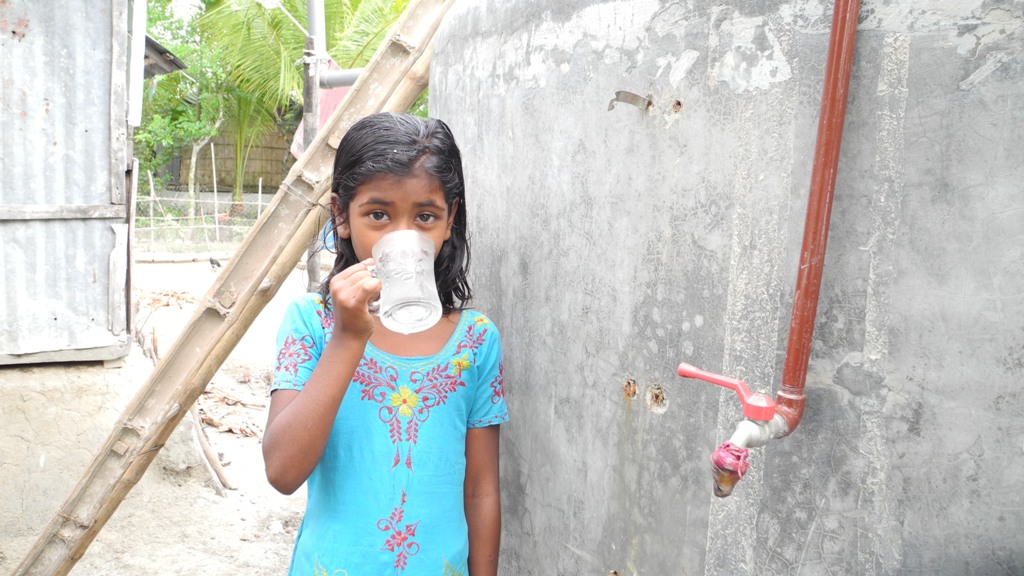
(250, 279)
(414, 84)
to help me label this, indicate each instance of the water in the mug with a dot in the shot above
(410, 317)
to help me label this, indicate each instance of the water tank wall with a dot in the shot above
(611, 242)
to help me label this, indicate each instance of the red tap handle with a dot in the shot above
(755, 406)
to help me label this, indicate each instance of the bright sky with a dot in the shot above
(184, 9)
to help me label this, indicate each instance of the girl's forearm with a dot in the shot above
(482, 500)
(483, 516)
(299, 424)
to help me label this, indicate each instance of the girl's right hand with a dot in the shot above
(351, 292)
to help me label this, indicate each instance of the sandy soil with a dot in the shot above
(179, 519)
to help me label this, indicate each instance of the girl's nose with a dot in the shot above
(404, 224)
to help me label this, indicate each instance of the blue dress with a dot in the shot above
(387, 495)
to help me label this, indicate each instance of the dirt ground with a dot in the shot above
(180, 519)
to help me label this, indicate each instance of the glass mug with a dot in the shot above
(408, 296)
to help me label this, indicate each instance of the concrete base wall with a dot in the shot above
(613, 242)
(55, 417)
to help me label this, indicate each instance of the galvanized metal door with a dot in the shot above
(64, 182)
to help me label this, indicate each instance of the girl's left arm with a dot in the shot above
(483, 500)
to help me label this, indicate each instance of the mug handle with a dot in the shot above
(374, 306)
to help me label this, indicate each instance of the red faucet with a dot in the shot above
(755, 406)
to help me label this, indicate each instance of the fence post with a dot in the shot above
(152, 217)
(259, 199)
(216, 209)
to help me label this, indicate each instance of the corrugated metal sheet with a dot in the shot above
(63, 158)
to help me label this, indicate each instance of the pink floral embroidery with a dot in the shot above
(434, 386)
(498, 385)
(400, 541)
(293, 353)
(405, 407)
(472, 340)
(488, 421)
(326, 319)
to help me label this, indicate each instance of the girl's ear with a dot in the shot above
(451, 218)
(344, 231)
(341, 221)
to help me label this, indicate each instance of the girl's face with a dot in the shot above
(387, 203)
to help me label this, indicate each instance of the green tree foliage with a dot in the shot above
(245, 72)
(262, 49)
(182, 110)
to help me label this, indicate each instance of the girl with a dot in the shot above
(397, 435)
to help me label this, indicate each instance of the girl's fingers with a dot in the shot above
(354, 269)
(351, 275)
(352, 288)
(350, 297)
(360, 291)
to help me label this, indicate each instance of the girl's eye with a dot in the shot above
(426, 218)
(377, 216)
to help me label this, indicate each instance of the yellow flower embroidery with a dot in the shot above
(461, 363)
(319, 570)
(450, 570)
(480, 321)
(405, 400)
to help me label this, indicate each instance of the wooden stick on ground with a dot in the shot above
(212, 458)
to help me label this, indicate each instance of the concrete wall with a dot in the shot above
(611, 244)
(55, 418)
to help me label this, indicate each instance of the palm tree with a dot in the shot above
(262, 49)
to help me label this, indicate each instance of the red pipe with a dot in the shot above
(790, 399)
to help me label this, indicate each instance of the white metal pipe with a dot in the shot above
(756, 433)
(317, 29)
(336, 78)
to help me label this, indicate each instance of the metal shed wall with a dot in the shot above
(64, 167)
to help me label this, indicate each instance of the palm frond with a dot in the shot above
(261, 49)
(368, 26)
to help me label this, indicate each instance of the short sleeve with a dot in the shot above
(300, 341)
(488, 404)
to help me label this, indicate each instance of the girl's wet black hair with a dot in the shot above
(390, 144)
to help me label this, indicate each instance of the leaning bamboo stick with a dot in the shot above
(249, 281)
(414, 83)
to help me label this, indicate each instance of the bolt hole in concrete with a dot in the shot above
(677, 106)
(656, 400)
(629, 388)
